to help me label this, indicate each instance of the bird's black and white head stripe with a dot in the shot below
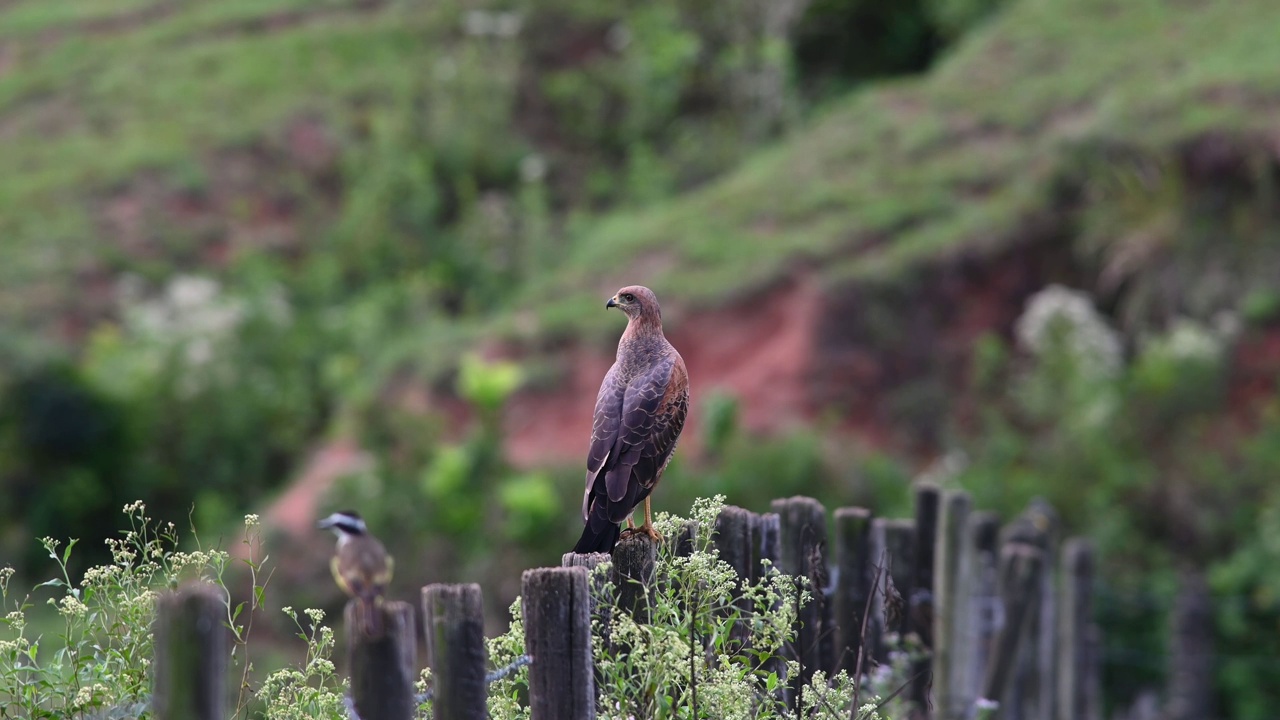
(344, 522)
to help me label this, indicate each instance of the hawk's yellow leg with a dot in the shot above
(647, 527)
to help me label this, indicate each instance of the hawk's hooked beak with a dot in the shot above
(613, 302)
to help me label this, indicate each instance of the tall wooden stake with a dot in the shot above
(382, 668)
(192, 652)
(557, 613)
(454, 618)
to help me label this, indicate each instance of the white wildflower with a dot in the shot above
(533, 168)
(1059, 314)
(71, 607)
(16, 620)
(10, 647)
(1188, 340)
(99, 575)
(191, 292)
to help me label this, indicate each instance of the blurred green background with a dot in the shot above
(284, 256)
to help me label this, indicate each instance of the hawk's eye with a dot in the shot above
(628, 297)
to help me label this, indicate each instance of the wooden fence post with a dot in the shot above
(454, 616)
(1093, 681)
(985, 609)
(586, 560)
(804, 539)
(899, 555)
(855, 573)
(921, 603)
(952, 585)
(766, 539)
(1041, 681)
(634, 559)
(685, 538)
(601, 602)
(557, 614)
(878, 570)
(766, 542)
(732, 540)
(1191, 648)
(382, 668)
(1021, 565)
(1075, 681)
(191, 654)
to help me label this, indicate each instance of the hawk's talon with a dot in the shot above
(646, 530)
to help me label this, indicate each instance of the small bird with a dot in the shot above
(639, 414)
(361, 567)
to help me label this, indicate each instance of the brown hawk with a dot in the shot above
(639, 414)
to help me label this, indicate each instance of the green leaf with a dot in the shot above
(66, 554)
(236, 613)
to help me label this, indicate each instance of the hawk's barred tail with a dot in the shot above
(602, 541)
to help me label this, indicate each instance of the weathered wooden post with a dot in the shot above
(1040, 685)
(602, 604)
(685, 538)
(192, 653)
(1191, 649)
(950, 620)
(1093, 682)
(454, 618)
(855, 573)
(928, 503)
(557, 614)
(732, 540)
(766, 543)
(804, 540)
(586, 560)
(603, 591)
(1021, 565)
(766, 540)
(382, 667)
(1075, 661)
(921, 603)
(634, 559)
(985, 608)
(899, 553)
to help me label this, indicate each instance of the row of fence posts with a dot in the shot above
(995, 617)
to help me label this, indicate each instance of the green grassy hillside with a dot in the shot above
(971, 158)
(95, 97)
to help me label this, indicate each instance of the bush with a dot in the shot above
(99, 660)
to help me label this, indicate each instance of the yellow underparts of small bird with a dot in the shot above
(361, 567)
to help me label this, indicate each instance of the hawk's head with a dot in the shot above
(637, 302)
